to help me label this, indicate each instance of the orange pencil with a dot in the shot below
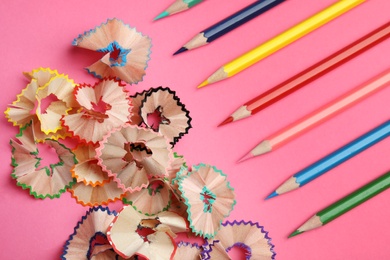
(320, 115)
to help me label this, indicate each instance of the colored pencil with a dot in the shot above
(320, 115)
(177, 7)
(310, 74)
(334, 159)
(228, 24)
(345, 204)
(269, 47)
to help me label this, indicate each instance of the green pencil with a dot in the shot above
(178, 6)
(345, 204)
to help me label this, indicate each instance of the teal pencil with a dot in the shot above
(178, 6)
(345, 204)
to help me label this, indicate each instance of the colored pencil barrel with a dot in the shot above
(334, 159)
(178, 6)
(343, 154)
(354, 199)
(311, 74)
(230, 23)
(345, 204)
(239, 18)
(333, 108)
(282, 40)
(320, 115)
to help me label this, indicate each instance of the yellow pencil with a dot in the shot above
(280, 41)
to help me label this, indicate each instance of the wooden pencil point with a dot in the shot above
(245, 157)
(241, 113)
(219, 75)
(289, 185)
(231, 22)
(198, 41)
(262, 148)
(182, 49)
(204, 83)
(226, 121)
(295, 233)
(177, 7)
(273, 194)
(312, 223)
(160, 16)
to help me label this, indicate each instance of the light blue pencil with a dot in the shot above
(334, 159)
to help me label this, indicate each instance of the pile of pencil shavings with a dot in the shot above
(124, 152)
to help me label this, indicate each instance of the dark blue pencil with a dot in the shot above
(230, 23)
(334, 159)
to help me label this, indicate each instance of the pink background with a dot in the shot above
(39, 34)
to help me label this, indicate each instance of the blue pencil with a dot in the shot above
(334, 159)
(230, 23)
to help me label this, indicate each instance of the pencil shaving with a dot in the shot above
(89, 237)
(173, 118)
(209, 199)
(249, 236)
(183, 171)
(42, 182)
(173, 177)
(129, 237)
(187, 251)
(178, 162)
(136, 101)
(178, 206)
(87, 195)
(103, 107)
(152, 199)
(131, 155)
(87, 170)
(48, 87)
(60, 89)
(126, 51)
(214, 250)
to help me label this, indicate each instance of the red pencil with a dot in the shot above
(310, 74)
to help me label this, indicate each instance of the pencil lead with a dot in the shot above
(245, 157)
(162, 15)
(227, 121)
(273, 194)
(204, 83)
(182, 49)
(295, 233)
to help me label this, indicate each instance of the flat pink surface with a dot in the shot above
(39, 34)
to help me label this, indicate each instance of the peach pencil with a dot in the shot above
(320, 115)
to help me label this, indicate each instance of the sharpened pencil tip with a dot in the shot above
(273, 194)
(162, 15)
(227, 121)
(246, 157)
(295, 233)
(204, 83)
(182, 49)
